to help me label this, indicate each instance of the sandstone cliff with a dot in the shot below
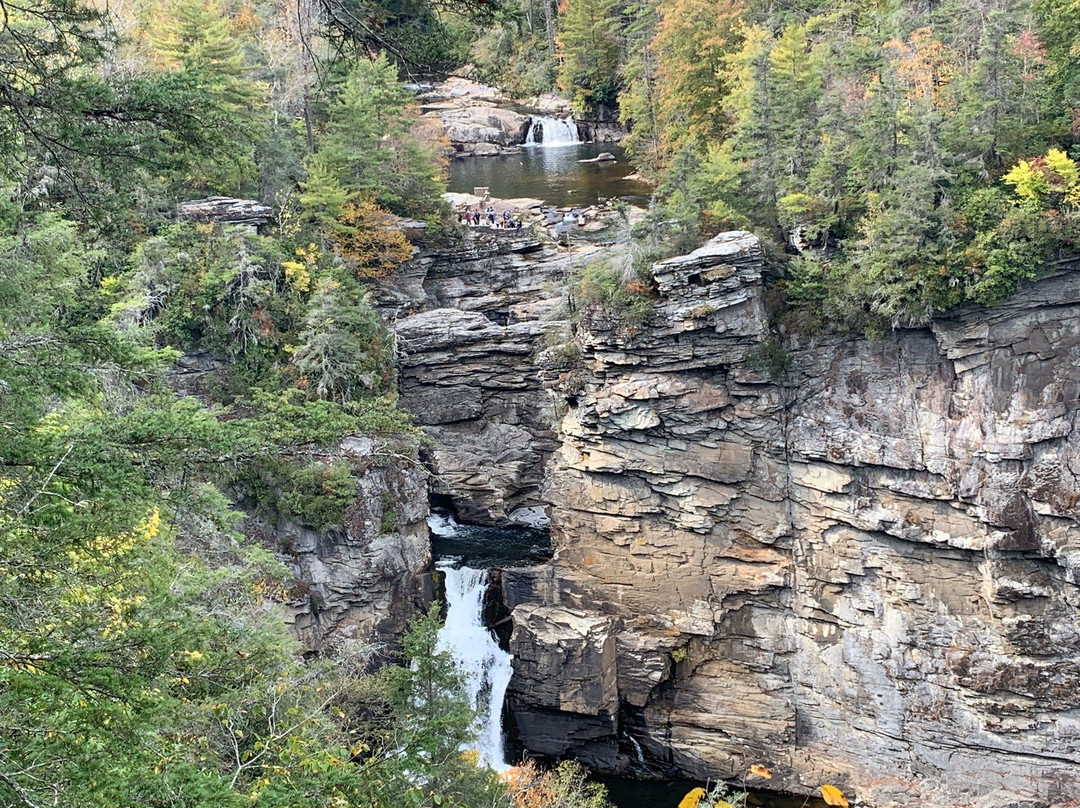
(865, 573)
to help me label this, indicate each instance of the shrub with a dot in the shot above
(628, 303)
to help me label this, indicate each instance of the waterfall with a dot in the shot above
(550, 132)
(476, 654)
(638, 751)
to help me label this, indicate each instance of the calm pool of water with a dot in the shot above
(627, 793)
(552, 175)
(482, 547)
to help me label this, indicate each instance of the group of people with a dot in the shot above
(503, 220)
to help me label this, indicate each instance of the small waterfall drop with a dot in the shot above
(487, 668)
(639, 753)
(551, 132)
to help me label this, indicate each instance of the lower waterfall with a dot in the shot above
(477, 655)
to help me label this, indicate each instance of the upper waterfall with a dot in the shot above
(550, 132)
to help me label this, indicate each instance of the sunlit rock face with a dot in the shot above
(864, 572)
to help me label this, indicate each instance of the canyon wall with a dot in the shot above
(470, 322)
(864, 572)
(360, 582)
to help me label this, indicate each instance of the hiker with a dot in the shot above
(491, 216)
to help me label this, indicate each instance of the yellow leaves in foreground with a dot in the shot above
(834, 796)
(692, 798)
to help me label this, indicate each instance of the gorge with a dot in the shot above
(714, 367)
(862, 570)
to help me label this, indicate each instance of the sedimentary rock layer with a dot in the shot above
(362, 582)
(467, 366)
(865, 572)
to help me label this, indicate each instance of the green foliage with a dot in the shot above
(589, 46)
(869, 141)
(344, 347)
(421, 35)
(639, 101)
(433, 721)
(197, 39)
(771, 357)
(601, 292)
(316, 494)
(389, 520)
(723, 795)
(367, 149)
(142, 657)
(522, 64)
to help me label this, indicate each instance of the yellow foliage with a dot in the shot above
(368, 234)
(1034, 181)
(834, 796)
(471, 756)
(297, 275)
(692, 798)
(761, 771)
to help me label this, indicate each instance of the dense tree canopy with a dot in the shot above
(870, 144)
(143, 658)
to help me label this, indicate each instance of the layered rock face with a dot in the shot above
(363, 582)
(467, 367)
(470, 116)
(866, 573)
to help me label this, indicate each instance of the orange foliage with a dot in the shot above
(694, 39)
(369, 236)
(531, 787)
(925, 66)
(834, 796)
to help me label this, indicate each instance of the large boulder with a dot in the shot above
(481, 128)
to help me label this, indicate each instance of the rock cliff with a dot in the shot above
(362, 582)
(470, 322)
(866, 572)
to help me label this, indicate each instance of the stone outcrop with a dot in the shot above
(472, 118)
(483, 129)
(362, 582)
(226, 210)
(865, 573)
(467, 366)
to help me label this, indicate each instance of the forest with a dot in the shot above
(898, 158)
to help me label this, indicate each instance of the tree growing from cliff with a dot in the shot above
(344, 349)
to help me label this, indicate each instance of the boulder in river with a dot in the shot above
(602, 157)
(481, 128)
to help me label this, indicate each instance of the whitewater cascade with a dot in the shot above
(552, 132)
(475, 652)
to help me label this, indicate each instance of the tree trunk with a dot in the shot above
(549, 20)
